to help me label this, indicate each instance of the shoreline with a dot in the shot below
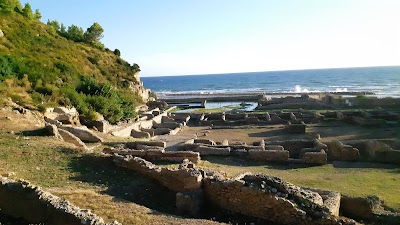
(241, 96)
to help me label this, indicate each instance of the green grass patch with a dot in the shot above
(349, 178)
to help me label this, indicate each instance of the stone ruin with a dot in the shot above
(258, 196)
(292, 102)
(309, 151)
(20, 199)
(153, 150)
(374, 118)
(266, 118)
(64, 124)
(296, 120)
(300, 151)
(152, 123)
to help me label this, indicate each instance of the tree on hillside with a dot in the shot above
(75, 33)
(117, 52)
(63, 29)
(94, 33)
(10, 6)
(37, 14)
(135, 67)
(54, 24)
(27, 11)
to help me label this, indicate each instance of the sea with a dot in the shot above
(382, 81)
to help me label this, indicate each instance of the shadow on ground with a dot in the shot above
(36, 132)
(123, 184)
(360, 165)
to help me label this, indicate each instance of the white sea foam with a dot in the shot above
(341, 90)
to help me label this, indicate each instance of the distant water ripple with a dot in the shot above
(384, 81)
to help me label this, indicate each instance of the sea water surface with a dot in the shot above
(383, 81)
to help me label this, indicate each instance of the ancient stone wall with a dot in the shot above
(295, 146)
(184, 178)
(22, 199)
(274, 200)
(174, 156)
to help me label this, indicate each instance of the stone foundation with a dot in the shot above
(20, 199)
(269, 155)
(186, 178)
(175, 156)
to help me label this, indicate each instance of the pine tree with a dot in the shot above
(94, 33)
(27, 11)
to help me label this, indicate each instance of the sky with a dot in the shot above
(185, 37)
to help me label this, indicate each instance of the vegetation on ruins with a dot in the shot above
(51, 64)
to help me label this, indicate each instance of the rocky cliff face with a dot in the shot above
(139, 89)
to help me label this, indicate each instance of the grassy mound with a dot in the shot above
(39, 67)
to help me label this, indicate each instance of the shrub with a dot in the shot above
(94, 60)
(117, 52)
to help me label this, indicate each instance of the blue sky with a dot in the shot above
(183, 37)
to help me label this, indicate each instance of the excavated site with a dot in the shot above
(193, 165)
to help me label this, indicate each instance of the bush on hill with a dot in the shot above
(46, 65)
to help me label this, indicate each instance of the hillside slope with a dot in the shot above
(41, 68)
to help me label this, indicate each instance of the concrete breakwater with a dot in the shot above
(248, 96)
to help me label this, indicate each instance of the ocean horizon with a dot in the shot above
(384, 81)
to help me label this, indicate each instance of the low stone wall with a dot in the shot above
(141, 134)
(315, 157)
(184, 178)
(269, 155)
(208, 150)
(295, 127)
(259, 196)
(125, 130)
(295, 146)
(272, 199)
(340, 151)
(175, 156)
(21, 199)
(136, 144)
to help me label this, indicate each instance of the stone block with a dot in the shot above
(312, 157)
(70, 138)
(296, 127)
(208, 150)
(338, 151)
(83, 133)
(140, 134)
(270, 155)
(204, 141)
(274, 147)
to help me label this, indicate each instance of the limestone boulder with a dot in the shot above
(82, 133)
(359, 207)
(140, 134)
(63, 115)
(53, 130)
(70, 138)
